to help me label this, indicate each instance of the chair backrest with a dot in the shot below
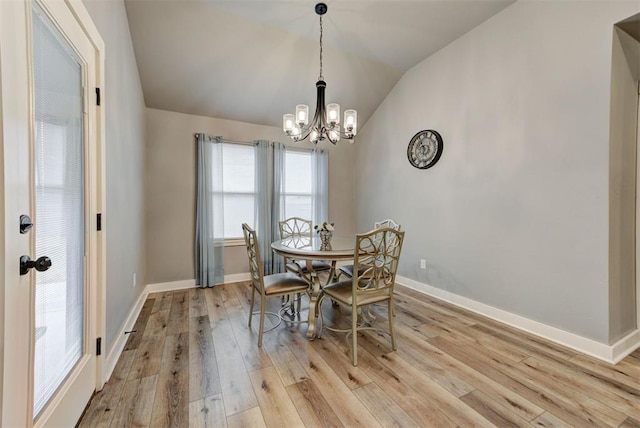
(253, 252)
(387, 223)
(295, 226)
(377, 254)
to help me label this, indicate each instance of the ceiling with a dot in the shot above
(253, 60)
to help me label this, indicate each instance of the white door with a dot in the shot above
(50, 137)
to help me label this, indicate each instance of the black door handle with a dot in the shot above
(41, 264)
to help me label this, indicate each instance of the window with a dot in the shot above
(297, 190)
(238, 188)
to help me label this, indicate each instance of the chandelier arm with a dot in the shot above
(304, 133)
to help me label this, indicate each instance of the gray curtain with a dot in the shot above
(262, 204)
(209, 213)
(269, 170)
(320, 183)
(277, 204)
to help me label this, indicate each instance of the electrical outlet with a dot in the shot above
(423, 264)
(135, 280)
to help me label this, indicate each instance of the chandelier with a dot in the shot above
(326, 120)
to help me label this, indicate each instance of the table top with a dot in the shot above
(305, 248)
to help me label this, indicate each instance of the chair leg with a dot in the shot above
(262, 310)
(253, 293)
(391, 329)
(321, 319)
(354, 336)
(299, 300)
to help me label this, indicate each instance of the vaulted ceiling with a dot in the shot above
(253, 60)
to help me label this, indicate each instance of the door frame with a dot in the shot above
(637, 267)
(16, 108)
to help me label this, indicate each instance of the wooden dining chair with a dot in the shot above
(274, 285)
(347, 270)
(378, 253)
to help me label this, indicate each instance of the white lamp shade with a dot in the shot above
(302, 114)
(333, 113)
(288, 123)
(351, 122)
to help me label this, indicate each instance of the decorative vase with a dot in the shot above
(325, 240)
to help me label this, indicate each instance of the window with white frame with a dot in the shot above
(239, 191)
(297, 185)
(238, 187)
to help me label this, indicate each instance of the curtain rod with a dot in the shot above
(226, 140)
(248, 143)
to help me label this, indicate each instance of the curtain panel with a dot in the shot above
(277, 202)
(209, 213)
(262, 206)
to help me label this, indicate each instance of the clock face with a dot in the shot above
(425, 149)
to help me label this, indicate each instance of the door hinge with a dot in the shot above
(97, 96)
(99, 221)
(99, 346)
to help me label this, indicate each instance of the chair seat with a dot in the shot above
(348, 270)
(284, 283)
(301, 266)
(341, 291)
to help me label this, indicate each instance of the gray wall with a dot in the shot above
(516, 213)
(124, 215)
(170, 190)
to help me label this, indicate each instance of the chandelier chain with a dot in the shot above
(320, 77)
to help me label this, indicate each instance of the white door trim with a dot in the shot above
(637, 271)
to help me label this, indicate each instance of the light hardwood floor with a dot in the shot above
(193, 362)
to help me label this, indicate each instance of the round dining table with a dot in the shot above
(309, 249)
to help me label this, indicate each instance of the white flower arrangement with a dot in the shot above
(325, 227)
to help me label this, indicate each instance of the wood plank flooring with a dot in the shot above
(194, 362)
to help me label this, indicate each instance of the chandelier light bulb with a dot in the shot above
(334, 135)
(314, 136)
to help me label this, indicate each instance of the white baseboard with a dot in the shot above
(625, 346)
(237, 277)
(121, 337)
(191, 283)
(608, 353)
(170, 286)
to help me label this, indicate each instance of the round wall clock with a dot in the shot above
(425, 149)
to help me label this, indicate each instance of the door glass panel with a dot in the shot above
(59, 213)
